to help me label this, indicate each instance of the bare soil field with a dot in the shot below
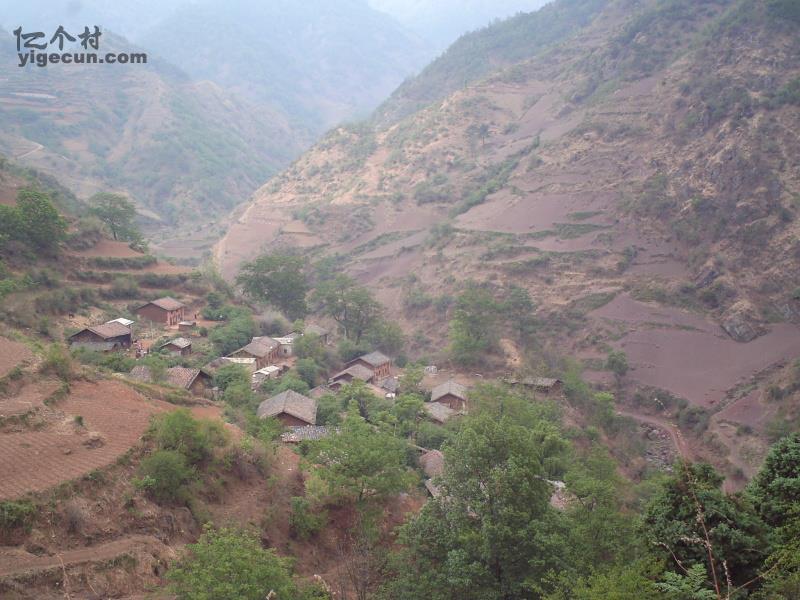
(113, 418)
(12, 354)
(109, 248)
(28, 399)
(701, 366)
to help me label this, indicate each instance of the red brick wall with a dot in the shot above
(151, 312)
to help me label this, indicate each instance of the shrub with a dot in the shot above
(230, 565)
(192, 438)
(15, 515)
(306, 520)
(58, 362)
(163, 475)
(617, 362)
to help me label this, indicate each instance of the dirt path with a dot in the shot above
(27, 563)
(29, 152)
(675, 434)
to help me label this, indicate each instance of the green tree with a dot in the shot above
(617, 362)
(118, 213)
(409, 381)
(308, 370)
(776, 488)
(694, 522)
(231, 374)
(491, 534)
(387, 337)
(279, 280)
(39, 224)
(163, 475)
(518, 309)
(352, 306)
(473, 326)
(193, 438)
(227, 564)
(233, 335)
(362, 463)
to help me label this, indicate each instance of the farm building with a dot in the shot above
(377, 362)
(164, 310)
(122, 321)
(187, 326)
(264, 350)
(103, 338)
(196, 381)
(178, 347)
(544, 385)
(268, 372)
(321, 332)
(287, 344)
(290, 408)
(357, 371)
(432, 463)
(451, 394)
(440, 413)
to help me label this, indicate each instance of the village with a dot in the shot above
(166, 327)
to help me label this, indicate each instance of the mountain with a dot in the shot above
(441, 22)
(633, 166)
(183, 150)
(321, 62)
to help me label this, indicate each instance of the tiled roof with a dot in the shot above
(432, 463)
(439, 412)
(181, 377)
(376, 359)
(291, 403)
(167, 303)
(259, 346)
(448, 387)
(108, 330)
(180, 342)
(356, 372)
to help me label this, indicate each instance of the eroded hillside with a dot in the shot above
(638, 175)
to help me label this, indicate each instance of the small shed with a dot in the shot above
(177, 347)
(377, 362)
(103, 338)
(450, 393)
(286, 344)
(165, 310)
(197, 381)
(187, 326)
(268, 372)
(432, 463)
(290, 408)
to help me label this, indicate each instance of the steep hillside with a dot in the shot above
(182, 150)
(640, 180)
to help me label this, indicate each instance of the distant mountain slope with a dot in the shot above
(441, 22)
(183, 150)
(321, 62)
(474, 55)
(640, 180)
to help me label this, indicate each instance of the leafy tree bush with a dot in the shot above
(776, 487)
(230, 337)
(361, 463)
(279, 280)
(17, 514)
(617, 362)
(227, 564)
(352, 306)
(119, 215)
(163, 475)
(58, 361)
(473, 326)
(306, 520)
(193, 438)
(231, 374)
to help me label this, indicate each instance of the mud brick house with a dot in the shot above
(377, 362)
(290, 408)
(450, 393)
(357, 371)
(103, 338)
(178, 347)
(321, 332)
(264, 350)
(197, 381)
(287, 344)
(164, 310)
